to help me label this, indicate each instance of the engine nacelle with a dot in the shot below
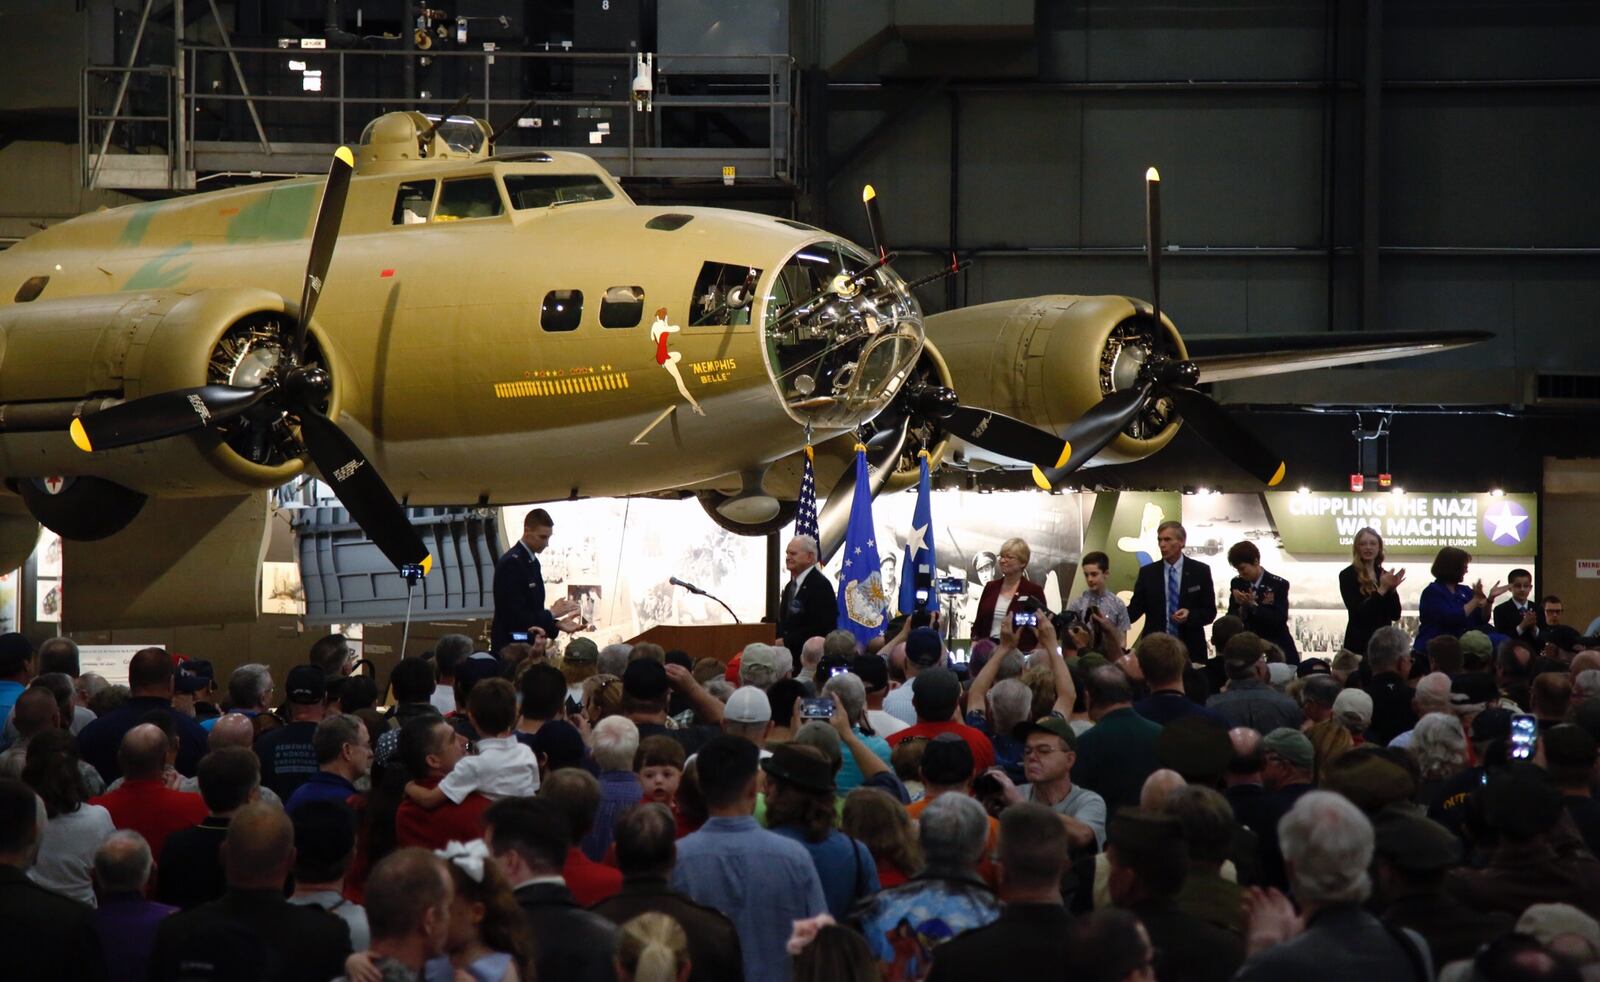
(69, 356)
(1047, 360)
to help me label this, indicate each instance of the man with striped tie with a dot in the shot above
(1174, 595)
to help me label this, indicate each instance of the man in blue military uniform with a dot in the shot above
(519, 590)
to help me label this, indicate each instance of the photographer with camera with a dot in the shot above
(1099, 610)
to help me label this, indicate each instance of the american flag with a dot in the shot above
(805, 516)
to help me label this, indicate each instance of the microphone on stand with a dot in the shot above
(694, 589)
(685, 584)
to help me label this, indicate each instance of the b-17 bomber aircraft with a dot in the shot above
(436, 324)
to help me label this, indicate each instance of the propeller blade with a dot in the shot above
(362, 491)
(1092, 431)
(1223, 359)
(1220, 429)
(156, 417)
(1152, 236)
(869, 197)
(1002, 434)
(324, 236)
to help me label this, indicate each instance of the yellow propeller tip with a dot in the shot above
(427, 564)
(1066, 453)
(344, 155)
(1152, 175)
(861, 448)
(1040, 479)
(80, 436)
(867, 193)
(1277, 475)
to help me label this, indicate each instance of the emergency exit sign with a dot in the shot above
(1588, 569)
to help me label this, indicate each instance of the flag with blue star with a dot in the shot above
(863, 602)
(916, 573)
(805, 515)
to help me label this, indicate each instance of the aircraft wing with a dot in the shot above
(1223, 358)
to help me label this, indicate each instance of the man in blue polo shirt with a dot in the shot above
(757, 879)
(344, 756)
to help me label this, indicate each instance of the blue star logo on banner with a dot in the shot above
(920, 562)
(863, 604)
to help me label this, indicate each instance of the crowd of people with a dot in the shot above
(1199, 804)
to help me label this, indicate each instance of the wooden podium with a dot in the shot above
(719, 641)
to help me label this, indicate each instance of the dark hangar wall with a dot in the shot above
(1028, 155)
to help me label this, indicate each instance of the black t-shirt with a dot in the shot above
(287, 757)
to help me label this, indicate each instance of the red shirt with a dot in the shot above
(982, 749)
(152, 809)
(417, 826)
(589, 881)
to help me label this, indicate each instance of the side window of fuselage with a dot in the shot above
(562, 310)
(472, 197)
(623, 306)
(413, 202)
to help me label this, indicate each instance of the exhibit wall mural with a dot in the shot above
(615, 556)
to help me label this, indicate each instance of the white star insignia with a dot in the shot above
(858, 550)
(1505, 523)
(919, 539)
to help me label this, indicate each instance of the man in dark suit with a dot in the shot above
(45, 935)
(1261, 600)
(529, 839)
(809, 608)
(253, 931)
(1520, 616)
(519, 589)
(1174, 594)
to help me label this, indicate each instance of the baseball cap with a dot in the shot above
(1353, 708)
(759, 664)
(580, 651)
(1291, 745)
(475, 668)
(923, 647)
(306, 685)
(189, 684)
(1313, 666)
(935, 695)
(1476, 645)
(1416, 844)
(1473, 688)
(1567, 745)
(1493, 723)
(1520, 801)
(748, 704)
(645, 680)
(947, 760)
(872, 670)
(1053, 725)
(199, 666)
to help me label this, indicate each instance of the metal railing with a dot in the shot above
(97, 124)
(299, 103)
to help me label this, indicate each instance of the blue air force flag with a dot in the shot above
(863, 604)
(805, 514)
(917, 571)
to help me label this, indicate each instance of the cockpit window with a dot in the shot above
(471, 197)
(724, 294)
(413, 202)
(543, 190)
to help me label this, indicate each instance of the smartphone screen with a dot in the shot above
(819, 708)
(1524, 736)
(1025, 618)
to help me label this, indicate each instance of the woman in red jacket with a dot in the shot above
(1001, 593)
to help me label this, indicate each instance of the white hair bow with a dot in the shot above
(469, 856)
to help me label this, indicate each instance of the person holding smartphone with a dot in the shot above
(994, 606)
